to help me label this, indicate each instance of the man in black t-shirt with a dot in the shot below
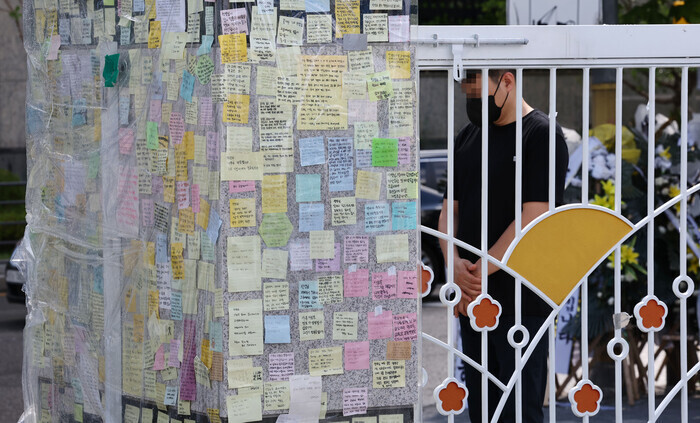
(501, 232)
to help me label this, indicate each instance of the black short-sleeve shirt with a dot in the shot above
(501, 207)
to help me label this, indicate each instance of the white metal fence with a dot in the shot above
(583, 48)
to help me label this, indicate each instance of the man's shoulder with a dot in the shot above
(466, 134)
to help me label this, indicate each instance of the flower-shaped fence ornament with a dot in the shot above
(585, 398)
(651, 314)
(450, 397)
(426, 279)
(484, 312)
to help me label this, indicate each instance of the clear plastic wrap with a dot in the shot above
(222, 211)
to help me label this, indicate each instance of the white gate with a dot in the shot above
(582, 48)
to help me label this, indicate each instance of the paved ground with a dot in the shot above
(434, 362)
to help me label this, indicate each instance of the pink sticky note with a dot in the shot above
(299, 259)
(206, 116)
(356, 249)
(126, 140)
(173, 360)
(188, 388)
(212, 146)
(399, 29)
(157, 185)
(53, 48)
(147, 212)
(241, 186)
(380, 326)
(177, 128)
(404, 150)
(329, 265)
(195, 198)
(234, 21)
(407, 284)
(354, 401)
(182, 193)
(356, 355)
(356, 284)
(383, 286)
(159, 361)
(405, 327)
(280, 366)
(154, 113)
(362, 111)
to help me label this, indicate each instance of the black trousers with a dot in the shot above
(501, 357)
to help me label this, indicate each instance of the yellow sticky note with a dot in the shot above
(330, 289)
(392, 248)
(244, 408)
(154, 35)
(243, 263)
(347, 16)
(391, 418)
(326, 361)
(345, 325)
(242, 212)
(321, 244)
(368, 185)
(344, 211)
(245, 328)
(274, 264)
(276, 296)
(398, 63)
(311, 326)
(234, 48)
(237, 108)
(174, 45)
(402, 185)
(245, 377)
(388, 374)
(276, 395)
(274, 194)
(186, 221)
(240, 166)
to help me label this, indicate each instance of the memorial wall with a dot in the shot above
(222, 211)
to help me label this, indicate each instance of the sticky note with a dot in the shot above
(308, 187)
(110, 73)
(392, 248)
(276, 396)
(277, 330)
(244, 408)
(275, 229)
(233, 48)
(343, 210)
(347, 15)
(385, 152)
(330, 265)
(276, 296)
(379, 86)
(326, 361)
(357, 355)
(402, 185)
(311, 326)
(405, 327)
(274, 194)
(243, 263)
(398, 350)
(356, 249)
(368, 185)
(377, 217)
(321, 244)
(388, 374)
(312, 151)
(242, 212)
(398, 63)
(245, 327)
(356, 283)
(354, 401)
(308, 295)
(311, 217)
(319, 29)
(403, 216)
(399, 29)
(407, 284)
(345, 325)
(383, 285)
(375, 27)
(280, 366)
(274, 263)
(340, 166)
(380, 326)
(330, 289)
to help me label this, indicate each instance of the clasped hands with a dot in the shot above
(467, 276)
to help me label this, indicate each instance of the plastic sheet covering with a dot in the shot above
(221, 206)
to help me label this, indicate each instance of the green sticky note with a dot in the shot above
(275, 229)
(308, 187)
(111, 69)
(152, 135)
(385, 152)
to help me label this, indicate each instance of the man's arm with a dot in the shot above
(463, 269)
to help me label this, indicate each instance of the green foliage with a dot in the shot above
(659, 12)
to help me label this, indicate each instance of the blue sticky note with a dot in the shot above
(139, 6)
(312, 151)
(170, 395)
(403, 216)
(340, 166)
(308, 295)
(79, 112)
(214, 225)
(377, 217)
(216, 333)
(308, 187)
(176, 305)
(161, 248)
(277, 330)
(311, 217)
(205, 48)
(363, 159)
(98, 280)
(187, 86)
(318, 6)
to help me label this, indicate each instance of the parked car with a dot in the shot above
(15, 283)
(433, 180)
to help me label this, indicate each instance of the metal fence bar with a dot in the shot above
(484, 232)
(584, 200)
(651, 151)
(682, 255)
(518, 229)
(450, 230)
(551, 198)
(618, 265)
